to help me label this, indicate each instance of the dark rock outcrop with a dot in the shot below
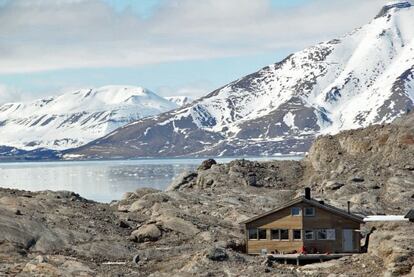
(217, 254)
(207, 164)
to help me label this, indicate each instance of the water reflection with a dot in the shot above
(101, 181)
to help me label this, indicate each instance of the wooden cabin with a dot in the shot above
(303, 225)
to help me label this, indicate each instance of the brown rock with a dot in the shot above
(146, 233)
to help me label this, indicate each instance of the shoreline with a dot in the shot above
(228, 158)
(101, 181)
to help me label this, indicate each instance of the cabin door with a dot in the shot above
(347, 240)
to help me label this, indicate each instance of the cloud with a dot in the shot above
(12, 94)
(193, 89)
(8, 94)
(40, 35)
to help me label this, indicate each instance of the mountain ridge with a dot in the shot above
(77, 117)
(365, 77)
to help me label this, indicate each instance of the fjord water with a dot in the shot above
(102, 181)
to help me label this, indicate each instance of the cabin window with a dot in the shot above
(297, 234)
(326, 234)
(296, 211)
(284, 234)
(309, 211)
(253, 233)
(322, 234)
(309, 235)
(275, 234)
(330, 234)
(262, 233)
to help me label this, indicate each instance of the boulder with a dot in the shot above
(137, 205)
(218, 254)
(178, 225)
(32, 234)
(148, 232)
(333, 185)
(182, 180)
(207, 164)
(148, 200)
(251, 179)
(123, 224)
(123, 208)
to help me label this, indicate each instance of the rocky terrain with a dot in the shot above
(192, 228)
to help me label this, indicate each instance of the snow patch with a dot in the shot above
(72, 156)
(385, 218)
(289, 120)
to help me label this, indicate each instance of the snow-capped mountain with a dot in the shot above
(75, 118)
(365, 77)
(180, 100)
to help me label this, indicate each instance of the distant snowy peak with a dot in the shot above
(75, 118)
(82, 100)
(179, 100)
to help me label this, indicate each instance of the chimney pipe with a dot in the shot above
(349, 206)
(307, 193)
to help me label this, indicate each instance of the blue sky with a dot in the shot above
(172, 47)
(164, 78)
(145, 8)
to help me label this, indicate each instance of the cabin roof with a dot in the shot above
(311, 202)
(410, 214)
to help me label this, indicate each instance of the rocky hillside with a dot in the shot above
(76, 118)
(362, 78)
(192, 229)
(372, 167)
(14, 154)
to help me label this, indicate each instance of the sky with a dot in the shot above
(172, 47)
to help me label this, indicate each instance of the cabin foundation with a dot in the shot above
(299, 259)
